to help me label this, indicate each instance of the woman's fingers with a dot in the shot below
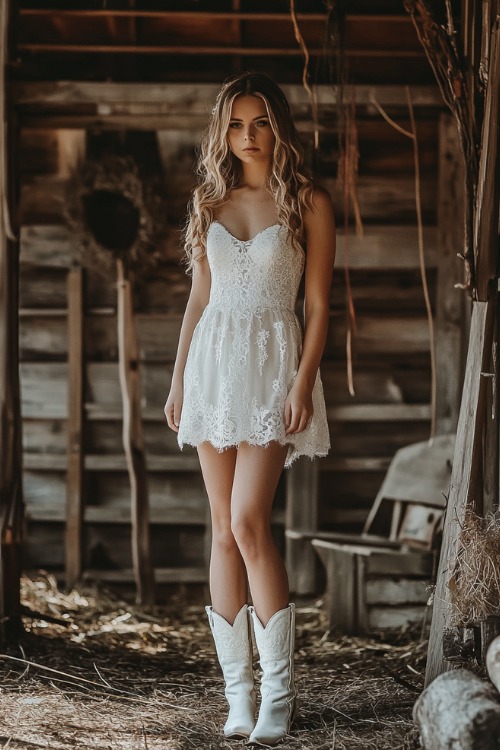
(173, 414)
(299, 418)
(287, 416)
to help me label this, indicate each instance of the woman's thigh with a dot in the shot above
(218, 475)
(256, 476)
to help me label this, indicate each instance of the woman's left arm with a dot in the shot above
(320, 256)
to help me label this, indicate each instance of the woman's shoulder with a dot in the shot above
(320, 198)
(320, 205)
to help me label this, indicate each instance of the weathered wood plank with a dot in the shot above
(107, 546)
(191, 98)
(45, 334)
(301, 515)
(382, 246)
(44, 393)
(42, 199)
(380, 618)
(376, 194)
(380, 412)
(358, 450)
(113, 462)
(11, 505)
(386, 291)
(74, 478)
(393, 591)
(107, 492)
(450, 301)
(162, 575)
(117, 515)
(380, 396)
(341, 572)
(465, 467)
(488, 190)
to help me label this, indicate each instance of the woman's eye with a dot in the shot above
(234, 125)
(261, 123)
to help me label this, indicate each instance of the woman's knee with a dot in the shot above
(250, 534)
(223, 537)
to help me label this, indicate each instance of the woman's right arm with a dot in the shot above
(198, 300)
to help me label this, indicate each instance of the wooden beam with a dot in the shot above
(488, 191)
(209, 15)
(200, 51)
(196, 98)
(451, 301)
(179, 464)
(74, 480)
(11, 504)
(380, 413)
(177, 516)
(466, 465)
(162, 575)
(301, 515)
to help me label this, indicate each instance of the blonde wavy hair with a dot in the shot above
(219, 171)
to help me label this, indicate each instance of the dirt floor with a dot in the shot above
(109, 677)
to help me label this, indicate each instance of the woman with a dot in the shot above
(246, 389)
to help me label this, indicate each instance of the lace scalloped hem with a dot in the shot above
(294, 451)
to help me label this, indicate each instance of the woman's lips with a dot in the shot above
(250, 149)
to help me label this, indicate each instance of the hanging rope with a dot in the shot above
(4, 208)
(350, 168)
(305, 73)
(420, 233)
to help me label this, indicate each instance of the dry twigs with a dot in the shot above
(475, 584)
(438, 42)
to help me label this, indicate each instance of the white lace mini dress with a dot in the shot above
(245, 349)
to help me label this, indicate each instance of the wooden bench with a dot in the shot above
(381, 578)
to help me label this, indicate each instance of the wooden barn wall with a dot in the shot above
(391, 406)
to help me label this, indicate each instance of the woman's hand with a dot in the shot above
(298, 409)
(173, 407)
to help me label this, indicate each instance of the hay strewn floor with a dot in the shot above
(110, 678)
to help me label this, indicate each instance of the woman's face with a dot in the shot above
(250, 135)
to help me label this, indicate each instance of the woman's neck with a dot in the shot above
(254, 176)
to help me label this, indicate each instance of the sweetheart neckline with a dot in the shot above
(252, 239)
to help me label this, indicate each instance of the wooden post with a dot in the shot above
(466, 463)
(486, 238)
(74, 498)
(466, 482)
(133, 439)
(11, 505)
(488, 193)
(450, 301)
(301, 515)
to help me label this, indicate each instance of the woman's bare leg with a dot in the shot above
(228, 582)
(256, 476)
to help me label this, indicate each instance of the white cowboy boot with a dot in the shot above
(276, 644)
(234, 650)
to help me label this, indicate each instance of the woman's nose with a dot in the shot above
(249, 136)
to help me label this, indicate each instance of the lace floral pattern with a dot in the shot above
(245, 350)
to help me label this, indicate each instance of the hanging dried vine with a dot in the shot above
(439, 43)
(348, 160)
(305, 73)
